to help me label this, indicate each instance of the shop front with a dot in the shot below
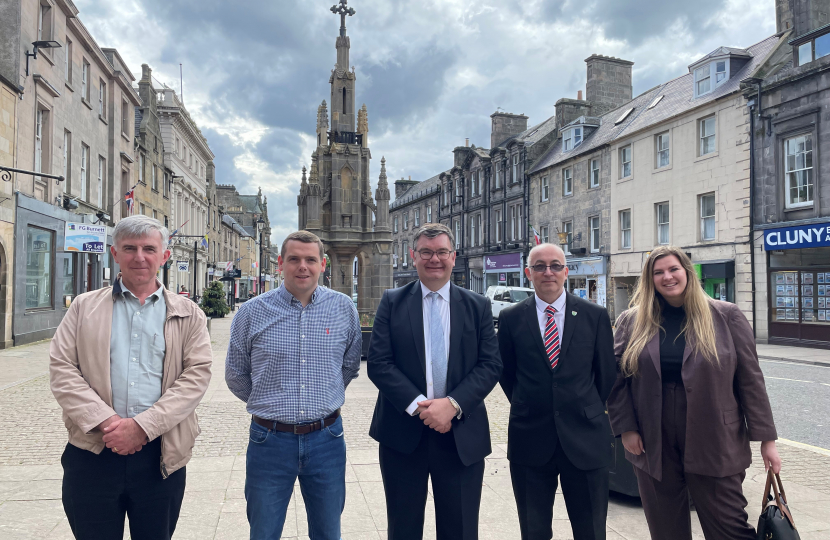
(399, 279)
(798, 277)
(718, 279)
(504, 269)
(60, 255)
(460, 271)
(587, 279)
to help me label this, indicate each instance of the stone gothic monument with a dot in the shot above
(335, 200)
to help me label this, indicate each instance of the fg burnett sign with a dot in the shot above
(83, 238)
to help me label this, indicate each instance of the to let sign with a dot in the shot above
(801, 236)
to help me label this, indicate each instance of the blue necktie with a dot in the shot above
(437, 348)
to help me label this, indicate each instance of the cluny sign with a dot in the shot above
(801, 236)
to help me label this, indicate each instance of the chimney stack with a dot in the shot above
(505, 125)
(609, 83)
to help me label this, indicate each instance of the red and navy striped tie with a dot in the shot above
(551, 338)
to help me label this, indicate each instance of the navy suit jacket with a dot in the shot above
(397, 367)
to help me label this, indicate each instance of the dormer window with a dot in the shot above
(710, 76)
(720, 72)
(572, 138)
(702, 81)
(813, 49)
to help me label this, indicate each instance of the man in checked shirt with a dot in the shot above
(292, 353)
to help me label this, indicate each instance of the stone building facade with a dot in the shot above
(335, 201)
(570, 186)
(689, 180)
(9, 94)
(483, 199)
(152, 191)
(246, 211)
(74, 118)
(415, 203)
(790, 160)
(186, 154)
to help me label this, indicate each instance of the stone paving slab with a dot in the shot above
(214, 505)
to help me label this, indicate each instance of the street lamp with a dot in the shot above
(48, 44)
(260, 225)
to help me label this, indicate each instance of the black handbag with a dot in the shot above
(776, 521)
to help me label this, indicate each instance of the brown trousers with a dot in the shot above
(720, 502)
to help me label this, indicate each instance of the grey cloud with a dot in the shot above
(225, 153)
(634, 21)
(281, 148)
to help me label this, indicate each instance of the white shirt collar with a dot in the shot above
(558, 304)
(443, 291)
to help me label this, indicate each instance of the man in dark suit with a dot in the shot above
(434, 358)
(559, 367)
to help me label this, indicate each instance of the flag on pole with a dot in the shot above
(205, 242)
(536, 235)
(255, 265)
(129, 198)
(172, 234)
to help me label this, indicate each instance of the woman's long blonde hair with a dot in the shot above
(645, 308)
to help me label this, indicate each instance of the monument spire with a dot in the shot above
(343, 42)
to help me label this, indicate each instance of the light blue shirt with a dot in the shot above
(136, 350)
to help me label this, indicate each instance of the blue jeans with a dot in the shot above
(275, 460)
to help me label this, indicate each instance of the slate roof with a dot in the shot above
(228, 220)
(678, 98)
(418, 190)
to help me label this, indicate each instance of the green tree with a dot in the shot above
(213, 301)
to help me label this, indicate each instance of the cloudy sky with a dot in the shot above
(430, 72)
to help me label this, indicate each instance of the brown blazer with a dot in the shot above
(727, 405)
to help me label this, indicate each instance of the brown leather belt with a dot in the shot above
(297, 429)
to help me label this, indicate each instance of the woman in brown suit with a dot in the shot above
(689, 397)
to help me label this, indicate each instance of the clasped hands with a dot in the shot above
(123, 435)
(436, 414)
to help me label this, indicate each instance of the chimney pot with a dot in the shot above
(579, 95)
(467, 141)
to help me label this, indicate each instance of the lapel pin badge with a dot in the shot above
(573, 313)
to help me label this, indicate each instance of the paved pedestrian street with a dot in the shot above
(33, 438)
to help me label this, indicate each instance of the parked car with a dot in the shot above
(501, 296)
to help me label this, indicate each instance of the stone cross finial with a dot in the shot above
(342, 9)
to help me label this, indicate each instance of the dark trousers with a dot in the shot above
(100, 489)
(720, 502)
(585, 492)
(455, 488)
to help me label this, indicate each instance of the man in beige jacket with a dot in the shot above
(128, 366)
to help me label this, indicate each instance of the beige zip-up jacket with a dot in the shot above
(79, 374)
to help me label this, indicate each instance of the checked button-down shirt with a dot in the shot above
(291, 363)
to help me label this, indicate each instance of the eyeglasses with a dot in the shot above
(541, 267)
(426, 254)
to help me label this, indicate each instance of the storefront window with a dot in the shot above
(801, 296)
(39, 256)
